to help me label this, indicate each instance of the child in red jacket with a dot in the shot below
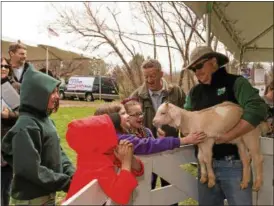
(95, 141)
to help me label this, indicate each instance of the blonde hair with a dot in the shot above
(129, 103)
(15, 46)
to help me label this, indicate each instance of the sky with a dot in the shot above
(31, 25)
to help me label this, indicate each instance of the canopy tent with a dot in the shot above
(38, 51)
(245, 28)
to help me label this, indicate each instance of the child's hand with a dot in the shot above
(193, 138)
(124, 152)
(160, 133)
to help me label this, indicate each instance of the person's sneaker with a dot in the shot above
(194, 164)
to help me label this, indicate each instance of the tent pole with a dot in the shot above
(60, 68)
(47, 60)
(100, 85)
(208, 22)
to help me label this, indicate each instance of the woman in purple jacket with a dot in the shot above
(142, 138)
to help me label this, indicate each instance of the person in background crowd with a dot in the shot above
(32, 145)
(44, 70)
(18, 56)
(8, 119)
(269, 100)
(268, 94)
(98, 151)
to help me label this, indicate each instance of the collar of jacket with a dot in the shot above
(218, 78)
(144, 93)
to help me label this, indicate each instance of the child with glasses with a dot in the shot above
(136, 117)
(141, 137)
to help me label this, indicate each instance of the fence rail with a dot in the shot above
(183, 184)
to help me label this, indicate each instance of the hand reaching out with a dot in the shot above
(160, 133)
(194, 138)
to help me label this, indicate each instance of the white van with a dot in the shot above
(87, 88)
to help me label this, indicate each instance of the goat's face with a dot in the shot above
(167, 114)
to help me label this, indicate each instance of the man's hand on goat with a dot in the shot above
(224, 138)
(193, 138)
(240, 129)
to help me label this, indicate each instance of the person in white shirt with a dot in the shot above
(18, 55)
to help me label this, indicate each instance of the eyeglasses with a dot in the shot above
(141, 114)
(6, 66)
(198, 66)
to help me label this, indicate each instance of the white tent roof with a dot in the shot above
(37, 51)
(242, 24)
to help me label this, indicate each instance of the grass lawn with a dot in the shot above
(67, 114)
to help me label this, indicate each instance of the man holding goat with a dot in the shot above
(216, 86)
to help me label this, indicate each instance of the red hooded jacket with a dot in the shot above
(91, 137)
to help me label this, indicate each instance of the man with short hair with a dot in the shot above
(18, 55)
(154, 91)
(216, 86)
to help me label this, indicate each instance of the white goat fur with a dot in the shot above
(215, 121)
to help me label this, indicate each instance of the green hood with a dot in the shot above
(35, 91)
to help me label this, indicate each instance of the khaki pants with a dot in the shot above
(44, 200)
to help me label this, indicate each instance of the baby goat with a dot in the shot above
(215, 121)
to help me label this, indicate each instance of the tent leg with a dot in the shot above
(60, 69)
(47, 60)
(241, 60)
(208, 23)
(208, 28)
(100, 86)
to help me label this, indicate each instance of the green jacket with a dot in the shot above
(32, 146)
(255, 109)
(173, 94)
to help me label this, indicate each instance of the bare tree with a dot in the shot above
(150, 20)
(74, 67)
(69, 67)
(91, 28)
(166, 37)
(172, 22)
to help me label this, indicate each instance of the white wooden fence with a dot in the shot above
(91, 194)
(183, 184)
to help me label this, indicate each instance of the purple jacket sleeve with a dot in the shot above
(150, 145)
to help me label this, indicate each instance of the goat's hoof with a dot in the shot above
(211, 183)
(244, 185)
(257, 186)
(203, 180)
